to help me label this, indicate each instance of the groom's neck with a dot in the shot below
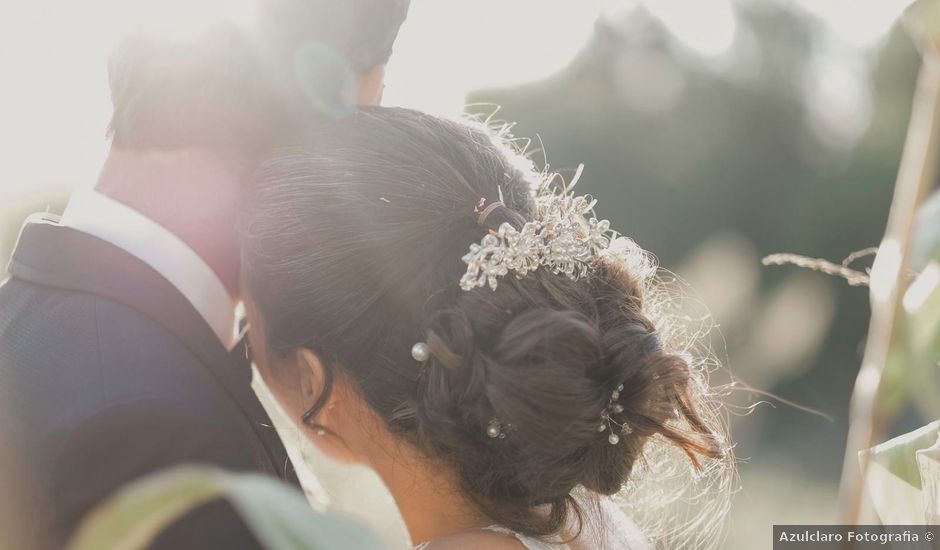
(193, 193)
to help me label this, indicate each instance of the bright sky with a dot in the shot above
(54, 102)
(54, 99)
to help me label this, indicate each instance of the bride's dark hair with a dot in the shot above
(352, 248)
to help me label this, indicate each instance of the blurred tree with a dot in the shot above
(681, 148)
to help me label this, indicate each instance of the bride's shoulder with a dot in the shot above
(474, 540)
(620, 529)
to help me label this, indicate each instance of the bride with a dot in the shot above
(425, 303)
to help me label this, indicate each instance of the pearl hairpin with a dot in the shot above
(494, 429)
(421, 352)
(607, 422)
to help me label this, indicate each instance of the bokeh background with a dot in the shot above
(715, 132)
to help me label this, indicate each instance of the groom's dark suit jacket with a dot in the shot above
(107, 373)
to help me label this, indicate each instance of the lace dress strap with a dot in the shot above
(529, 542)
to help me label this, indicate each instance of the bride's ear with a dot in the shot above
(328, 397)
(314, 380)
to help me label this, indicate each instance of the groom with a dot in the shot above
(119, 346)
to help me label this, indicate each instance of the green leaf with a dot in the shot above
(282, 519)
(893, 480)
(136, 514)
(911, 373)
(277, 514)
(897, 455)
(925, 241)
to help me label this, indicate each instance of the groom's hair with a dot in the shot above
(236, 91)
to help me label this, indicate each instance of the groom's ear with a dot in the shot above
(371, 85)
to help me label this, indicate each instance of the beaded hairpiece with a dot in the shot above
(564, 237)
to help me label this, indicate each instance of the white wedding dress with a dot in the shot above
(612, 531)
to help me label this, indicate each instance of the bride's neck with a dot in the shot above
(428, 497)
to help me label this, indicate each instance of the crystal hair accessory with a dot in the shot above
(481, 219)
(565, 237)
(608, 423)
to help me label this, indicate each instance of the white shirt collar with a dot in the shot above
(109, 220)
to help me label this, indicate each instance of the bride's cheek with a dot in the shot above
(352, 431)
(334, 445)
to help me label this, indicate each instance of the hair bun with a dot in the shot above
(545, 377)
(542, 359)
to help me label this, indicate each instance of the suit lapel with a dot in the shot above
(53, 255)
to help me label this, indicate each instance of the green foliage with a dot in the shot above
(277, 514)
(911, 375)
(898, 478)
(897, 456)
(735, 153)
